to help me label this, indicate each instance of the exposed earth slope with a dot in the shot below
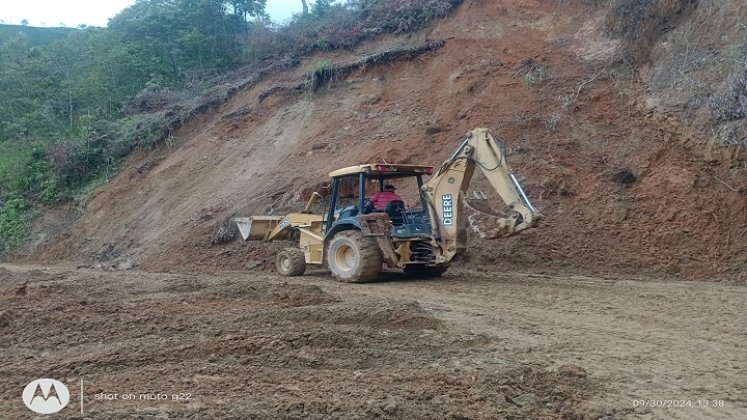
(623, 179)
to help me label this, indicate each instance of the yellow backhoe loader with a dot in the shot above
(355, 239)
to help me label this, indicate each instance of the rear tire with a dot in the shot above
(291, 262)
(354, 258)
(423, 271)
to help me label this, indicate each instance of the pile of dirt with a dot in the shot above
(390, 315)
(283, 295)
(572, 127)
(14, 283)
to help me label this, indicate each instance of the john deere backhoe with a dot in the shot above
(355, 239)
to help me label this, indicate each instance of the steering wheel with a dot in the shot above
(368, 206)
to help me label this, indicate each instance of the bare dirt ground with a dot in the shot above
(472, 345)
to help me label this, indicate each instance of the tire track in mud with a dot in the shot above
(642, 338)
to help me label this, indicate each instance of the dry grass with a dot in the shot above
(642, 22)
(695, 57)
(328, 72)
(344, 27)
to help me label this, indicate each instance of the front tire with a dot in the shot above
(354, 258)
(290, 262)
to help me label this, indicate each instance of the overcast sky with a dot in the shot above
(96, 12)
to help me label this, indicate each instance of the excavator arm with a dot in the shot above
(443, 192)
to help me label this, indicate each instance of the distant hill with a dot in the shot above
(36, 36)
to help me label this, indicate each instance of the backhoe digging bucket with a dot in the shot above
(257, 228)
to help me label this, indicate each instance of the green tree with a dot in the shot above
(180, 36)
(14, 223)
(322, 7)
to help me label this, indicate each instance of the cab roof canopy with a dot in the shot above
(383, 171)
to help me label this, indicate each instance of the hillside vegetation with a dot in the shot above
(35, 36)
(74, 107)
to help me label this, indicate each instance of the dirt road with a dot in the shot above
(470, 346)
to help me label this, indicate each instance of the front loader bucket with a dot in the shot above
(257, 228)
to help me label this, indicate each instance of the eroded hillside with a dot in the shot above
(618, 174)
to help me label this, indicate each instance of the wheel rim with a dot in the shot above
(285, 263)
(346, 257)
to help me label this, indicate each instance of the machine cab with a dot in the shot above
(353, 188)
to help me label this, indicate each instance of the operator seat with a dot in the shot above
(396, 211)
